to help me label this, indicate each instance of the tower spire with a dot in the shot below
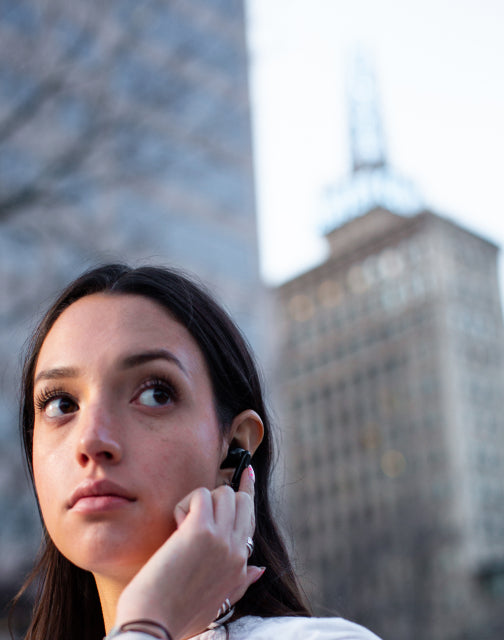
(367, 140)
(372, 183)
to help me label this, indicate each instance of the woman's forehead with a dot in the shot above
(107, 324)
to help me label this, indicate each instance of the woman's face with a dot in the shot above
(125, 427)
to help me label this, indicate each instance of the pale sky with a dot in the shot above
(440, 72)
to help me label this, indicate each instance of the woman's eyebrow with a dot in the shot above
(57, 373)
(137, 359)
(134, 360)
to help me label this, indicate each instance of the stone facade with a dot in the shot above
(391, 377)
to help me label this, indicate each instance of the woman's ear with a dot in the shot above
(246, 431)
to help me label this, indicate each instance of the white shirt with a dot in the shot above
(282, 628)
(290, 628)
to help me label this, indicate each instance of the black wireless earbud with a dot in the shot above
(239, 459)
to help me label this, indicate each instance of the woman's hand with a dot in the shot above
(200, 565)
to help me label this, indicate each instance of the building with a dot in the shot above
(391, 376)
(124, 135)
(125, 132)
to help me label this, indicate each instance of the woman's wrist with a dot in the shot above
(142, 629)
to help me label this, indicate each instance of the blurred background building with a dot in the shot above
(392, 379)
(391, 376)
(124, 135)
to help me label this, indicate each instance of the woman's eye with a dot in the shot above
(59, 406)
(156, 396)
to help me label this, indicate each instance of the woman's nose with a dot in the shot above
(98, 439)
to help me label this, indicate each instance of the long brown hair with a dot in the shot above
(66, 602)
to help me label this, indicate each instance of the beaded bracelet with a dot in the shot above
(148, 627)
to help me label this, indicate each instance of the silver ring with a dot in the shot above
(224, 608)
(250, 546)
(223, 614)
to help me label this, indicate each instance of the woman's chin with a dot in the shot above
(114, 556)
(121, 567)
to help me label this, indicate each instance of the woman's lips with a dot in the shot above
(99, 495)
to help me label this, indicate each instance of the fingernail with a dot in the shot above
(263, 569)
(251, 473)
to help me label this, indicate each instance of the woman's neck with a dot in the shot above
(109, 590)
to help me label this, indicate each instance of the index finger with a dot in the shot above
(245, 510)
(247, 481)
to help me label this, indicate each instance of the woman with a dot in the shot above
(136, 387)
